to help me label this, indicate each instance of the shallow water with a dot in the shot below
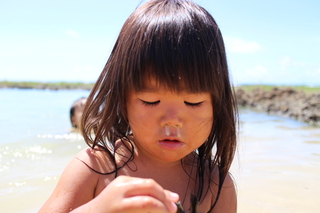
(35, 146)
(277, 168)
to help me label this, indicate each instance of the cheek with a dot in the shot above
(209, 127)
(141, 129)
(202, 125)
(205, 127)
(210, 119)
(139, 120)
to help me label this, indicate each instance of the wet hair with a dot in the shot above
(179, 44)
(76, 105)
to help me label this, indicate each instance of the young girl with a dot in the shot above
(160, 121)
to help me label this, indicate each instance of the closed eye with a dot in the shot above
(150, 103)
(193, 104)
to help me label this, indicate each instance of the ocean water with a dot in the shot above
(277, 165)
(36, 145)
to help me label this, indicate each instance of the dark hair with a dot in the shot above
(179, 44)
(76, 105)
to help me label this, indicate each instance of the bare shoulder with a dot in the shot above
(227, 202)
(97, 160)
(77, 183)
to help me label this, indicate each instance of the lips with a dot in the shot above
(170, 144)
(168, 140)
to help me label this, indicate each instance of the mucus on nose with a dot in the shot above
(172, 130)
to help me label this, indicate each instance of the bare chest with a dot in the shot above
(180, 183)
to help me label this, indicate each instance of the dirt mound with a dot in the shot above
(283, 101)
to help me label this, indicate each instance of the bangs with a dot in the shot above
(178, 49)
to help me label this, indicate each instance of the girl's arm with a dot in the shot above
(132, 195)
(76, 187)
(75, 192)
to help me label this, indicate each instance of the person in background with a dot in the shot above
(76, 111)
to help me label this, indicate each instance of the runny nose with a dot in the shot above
(172, 130)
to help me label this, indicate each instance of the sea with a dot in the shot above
(37, 143)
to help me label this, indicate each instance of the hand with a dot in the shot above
(128, 194)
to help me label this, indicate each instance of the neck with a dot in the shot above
(146, 166)
(166, 171)
(156, 164)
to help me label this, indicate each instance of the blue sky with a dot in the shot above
(268, 42)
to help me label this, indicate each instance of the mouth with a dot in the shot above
(171, 144)
(171, 140)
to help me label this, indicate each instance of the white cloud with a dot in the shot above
(256, 74)
(256, 71)
(72, 33)
(238, 45)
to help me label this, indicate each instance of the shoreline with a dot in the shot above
(87, 86)
(301, 103)
(45, 85)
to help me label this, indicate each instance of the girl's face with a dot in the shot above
(188, 117)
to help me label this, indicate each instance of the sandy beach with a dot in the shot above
(275, 171)
(269, 185)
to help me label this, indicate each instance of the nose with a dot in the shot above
(172, 116)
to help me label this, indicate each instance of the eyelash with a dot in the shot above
(150, 103)
(157, 102)
(193, 104)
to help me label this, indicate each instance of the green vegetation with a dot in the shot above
(45, 85)
(88, 86)
(306, 89)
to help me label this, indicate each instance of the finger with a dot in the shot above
(139, 186)
(144, 204)
(153, 195)
(172, 196)
(172, 199)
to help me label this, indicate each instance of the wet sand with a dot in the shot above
(277, 168)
